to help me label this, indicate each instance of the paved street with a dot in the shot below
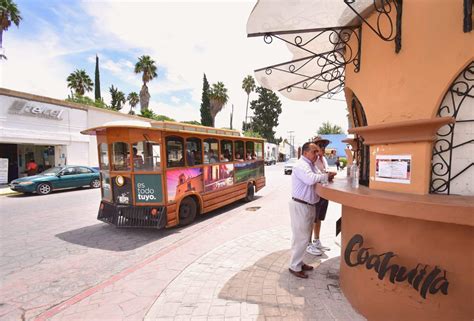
(59, 263)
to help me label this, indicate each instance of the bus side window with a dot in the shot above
(239, 150)
(193, 151)
(103, 156)
(259, 150)
(211, 150)
(174, 151)
(146, 156)
(226, 151)
(250, 151)
(120, 156)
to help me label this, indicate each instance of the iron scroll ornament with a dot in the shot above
(327, 67)
(461, 93)
(383, 8)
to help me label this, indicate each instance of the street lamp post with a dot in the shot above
(292, 142)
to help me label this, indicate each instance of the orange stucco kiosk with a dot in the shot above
(407, 71)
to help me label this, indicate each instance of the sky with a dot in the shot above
(185, 38)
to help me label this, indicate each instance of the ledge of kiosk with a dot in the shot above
(451, 209)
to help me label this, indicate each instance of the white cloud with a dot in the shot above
(175, 100)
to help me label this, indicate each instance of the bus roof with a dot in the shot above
(165, 126)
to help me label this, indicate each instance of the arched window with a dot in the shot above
(452, 165)
(363, 151)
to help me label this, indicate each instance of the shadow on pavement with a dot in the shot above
(278, 294)
(106, 237)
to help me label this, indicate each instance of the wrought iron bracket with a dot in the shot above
(331, 63)
(383, 8)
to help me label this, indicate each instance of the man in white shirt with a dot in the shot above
(316, 247)
(302, 206)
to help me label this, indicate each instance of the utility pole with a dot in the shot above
(292, 142)
(231, 116)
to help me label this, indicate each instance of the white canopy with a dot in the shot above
(317, 34)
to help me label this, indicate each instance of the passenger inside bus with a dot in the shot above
(212, 156)
(190, 158)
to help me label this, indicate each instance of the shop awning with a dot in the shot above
(317, 33)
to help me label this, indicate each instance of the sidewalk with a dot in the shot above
(248, 279)
(5, 190)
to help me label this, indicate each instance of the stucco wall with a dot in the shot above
(411, 84)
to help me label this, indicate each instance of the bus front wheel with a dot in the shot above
(250, 193)
(187, 211)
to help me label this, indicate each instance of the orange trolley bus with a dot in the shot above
(161, 174)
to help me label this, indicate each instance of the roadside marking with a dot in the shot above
(117, 277)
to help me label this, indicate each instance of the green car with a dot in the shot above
(57, 178)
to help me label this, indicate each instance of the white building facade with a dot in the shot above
(48, 131)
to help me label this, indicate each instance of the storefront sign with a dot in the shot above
(148, 188)
(393, 168)
(423, 280)
(3, 170)
(20, 107)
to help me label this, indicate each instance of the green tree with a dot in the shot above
(206, 119)
(267, 109)
(191, 122)
(148, 113)
(251, 133)
(84, 100)
(327, 128)
(97, 79)
(9, 14)
(133, 100)
(248, 85)
(218, 98)
(147, 66)
(118, 98)
(80, 82)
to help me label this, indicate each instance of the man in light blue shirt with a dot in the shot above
(302, 206)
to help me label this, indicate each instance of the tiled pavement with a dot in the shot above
(248, 279)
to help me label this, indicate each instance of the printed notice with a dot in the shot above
(393, 168)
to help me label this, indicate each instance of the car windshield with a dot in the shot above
(52, 171)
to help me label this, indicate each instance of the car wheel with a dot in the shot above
(250, 193)
(187, 211)
(43, 189)
(95, 183)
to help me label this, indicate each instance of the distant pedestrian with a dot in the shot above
(338, 163)
(31, 167)
(302, 206)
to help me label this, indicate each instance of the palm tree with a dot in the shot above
(218, 98)
(327, 128)
(8, 13)
(118, 98)
(80, 82)
(248, 85)
(133, 100)
(146, 65)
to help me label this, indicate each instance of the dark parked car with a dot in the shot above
(57, 178)
(288, 169)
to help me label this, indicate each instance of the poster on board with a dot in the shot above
(218, 176)
(182, 181)
(393, 168)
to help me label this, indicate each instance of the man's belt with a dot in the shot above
(301, 201)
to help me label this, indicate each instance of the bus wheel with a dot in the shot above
(187, 211)
(250, 193)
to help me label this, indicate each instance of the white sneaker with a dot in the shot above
(317, 244)
(311, 249)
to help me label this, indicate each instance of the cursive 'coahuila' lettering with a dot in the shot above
(418, 278)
